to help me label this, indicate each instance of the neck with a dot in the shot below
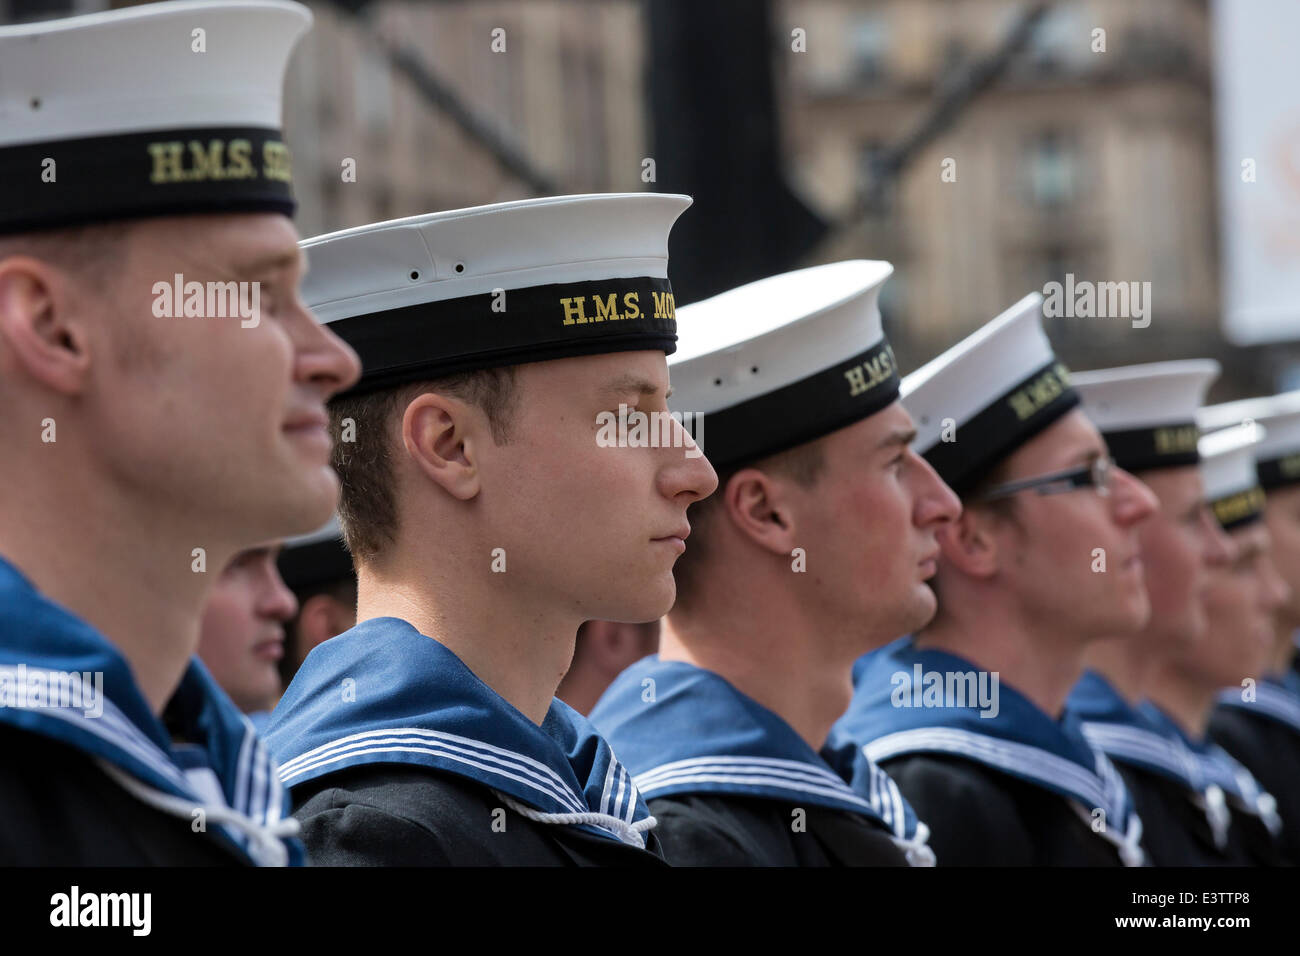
(1041, 662)
(769, 651)
(1188, 702)
(581, 689)
(1124, 663)
(114, 561)
(1285, 644)
(511, 644)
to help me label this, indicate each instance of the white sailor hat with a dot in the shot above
(1147, 413)
(784, 360)
(1277, 456)
(1000, 386)
(449, 292)
(1228, 471)
(134, 112)
(320, 557)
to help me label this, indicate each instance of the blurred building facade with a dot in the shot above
(1098, 163)
(555, 83)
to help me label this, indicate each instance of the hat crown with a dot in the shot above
(975, 372)
(1278, 414)
(137, 69)
(463, 252)
(1228, 460)
(762, 336)
(1139, 396)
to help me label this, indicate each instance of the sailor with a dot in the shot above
(493, 500)
(965, 715)
(145, 447)
(1259, 723)
(318, 570)
(603, 650)
(241, 640)
(725, 730)
(1147, 414)
(1240, 600)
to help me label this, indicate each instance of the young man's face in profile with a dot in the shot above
(593, 528)
(228, 413)
(868, 525)
(1180, 542)
(1240, 601)
(242, 636)
(1050, 551)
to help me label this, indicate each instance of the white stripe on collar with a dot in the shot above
(1128, 743)
(787, 775)
(114, 728)
(509, 765)
(1036, 764)
(1269, 700)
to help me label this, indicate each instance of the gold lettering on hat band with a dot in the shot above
(193, 162)
(1289, 466)
(606, 307)
(1243, 504)
(1176, 440)
(1040, 392)
(869, 374)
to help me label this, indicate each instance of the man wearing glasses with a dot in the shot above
(966, 714)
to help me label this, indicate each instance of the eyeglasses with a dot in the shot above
(1097, 475)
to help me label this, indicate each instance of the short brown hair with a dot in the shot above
(85, 251)
(802, 464)
(367, 502)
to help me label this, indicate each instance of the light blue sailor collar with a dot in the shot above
(383, 693)
(1130, 736)
(60, 678)
(683, 729)
(1277, 698)
(1211, 767)
(889, 718)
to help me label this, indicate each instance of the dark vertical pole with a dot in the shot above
(714, 136)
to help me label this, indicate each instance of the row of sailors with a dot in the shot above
(954, 740)
(852, 532)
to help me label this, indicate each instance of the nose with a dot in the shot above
(687, 473)
(1131, 500)
(275, 600)
(935, 503)
(1276, 590)
(322, 359)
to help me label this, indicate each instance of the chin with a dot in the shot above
(648, 603)
(313, 501)
(921, 612)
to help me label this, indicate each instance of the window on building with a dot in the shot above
(868, 41)
(875, 184)
(1053, 172)
(1062, 39)
(374, 92)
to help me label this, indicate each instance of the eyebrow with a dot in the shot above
(1087, 456)
(899, 436)
(271, 263)
(633, 383)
